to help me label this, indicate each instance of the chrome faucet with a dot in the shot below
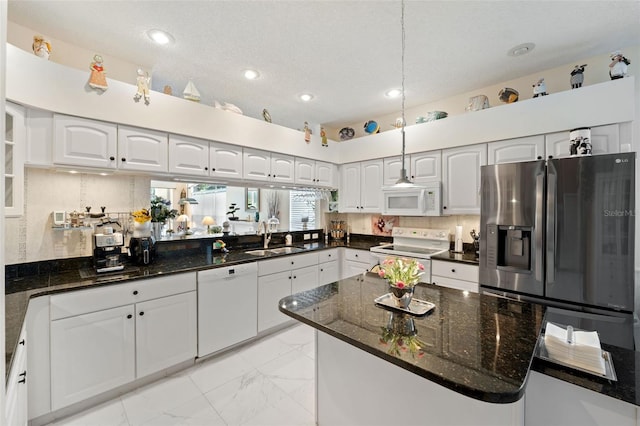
(263, 229)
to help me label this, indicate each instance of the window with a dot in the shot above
(302, 210)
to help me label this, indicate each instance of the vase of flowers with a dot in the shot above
(402, 275)
(161, 211)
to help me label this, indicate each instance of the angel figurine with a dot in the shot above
(142, 81)
(41, 47)
(618, 65)
(307, 132)
(97, 79)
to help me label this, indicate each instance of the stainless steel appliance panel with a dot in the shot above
(590, 230)
(512, 226)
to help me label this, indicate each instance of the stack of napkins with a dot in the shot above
(578, 348)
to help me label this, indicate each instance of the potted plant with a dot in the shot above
(232, 211)
(160, 211)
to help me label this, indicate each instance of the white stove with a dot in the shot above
(414, 243)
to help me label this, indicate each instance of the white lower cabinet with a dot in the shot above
(91, 353)
(165, 332)
(227, 306)
(109, 336)
(356, 262)
(328, 272)
(16, 392)
(455, 275)
(550, 401)
(278, 278)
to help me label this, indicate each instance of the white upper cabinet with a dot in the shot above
(188, 156)
(421, 167)
(604, 140)
(142, 150)
(82, 142)
(360, 189)
(14, 151)
(314, 173)
(225, 161)
(426, 167)
(282, 168)
(461, 179)
(516, 150)
(265, 166)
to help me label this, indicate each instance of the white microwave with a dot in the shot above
(414, 200)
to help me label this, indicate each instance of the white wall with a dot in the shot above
(3, 44)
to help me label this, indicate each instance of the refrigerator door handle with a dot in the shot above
(552, 192)
(539, 232)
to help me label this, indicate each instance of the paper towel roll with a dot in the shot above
(458, 239)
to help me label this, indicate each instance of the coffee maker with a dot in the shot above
(142, 250)
(107, 251)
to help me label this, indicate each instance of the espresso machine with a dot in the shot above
(107, 250)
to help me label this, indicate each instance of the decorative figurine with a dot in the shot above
(371, 127)
(97, 79)
(540, 88)
(323, 137)
(307, 132)
(508, 95)
(577, 76)
(346, 133)
(477, 103)
(41, 47)
(191, 93)
(227, 107)
(142, 80)
(167, 90)
(618, 65)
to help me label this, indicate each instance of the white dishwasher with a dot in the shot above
(227, 306)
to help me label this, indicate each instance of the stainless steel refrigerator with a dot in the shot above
(561, 231)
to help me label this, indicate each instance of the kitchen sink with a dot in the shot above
(258, 252)
(286, 250)
(281, 250)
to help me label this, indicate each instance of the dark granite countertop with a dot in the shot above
(459, 348)
(468, 257)
(26, 281)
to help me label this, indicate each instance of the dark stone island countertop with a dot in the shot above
(22, 282)
(479, 346)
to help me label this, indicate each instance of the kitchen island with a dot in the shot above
(465, 362)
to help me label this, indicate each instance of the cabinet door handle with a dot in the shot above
(206, 168)
(23, 374)
(21, 342)
(294, 277)
(551, 156)
(453, 270)
(135, 292)
(539, 157)
(444, 207)
(142, 313)
(24, 377)
(292, 262)
(129, 316)
(321, 270)
(123, 159)
(213, 169)
(112, 158)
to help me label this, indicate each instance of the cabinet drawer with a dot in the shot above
(458, 271)
(455, 283)
(360, 256)
(228, 272)
(327, 255)
(96, 299)
(285, 263)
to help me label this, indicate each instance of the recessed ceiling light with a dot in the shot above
(251, 74)
(521, 49)
(393, 93)
(306, 97)
(160, 37)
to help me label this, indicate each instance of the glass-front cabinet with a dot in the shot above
(14, 148)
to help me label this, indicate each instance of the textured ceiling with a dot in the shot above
(347, 53)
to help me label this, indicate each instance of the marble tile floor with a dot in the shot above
(268, 382)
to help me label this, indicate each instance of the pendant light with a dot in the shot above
(404, 180)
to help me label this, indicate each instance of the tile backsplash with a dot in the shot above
(362, 223)
(31, 237)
